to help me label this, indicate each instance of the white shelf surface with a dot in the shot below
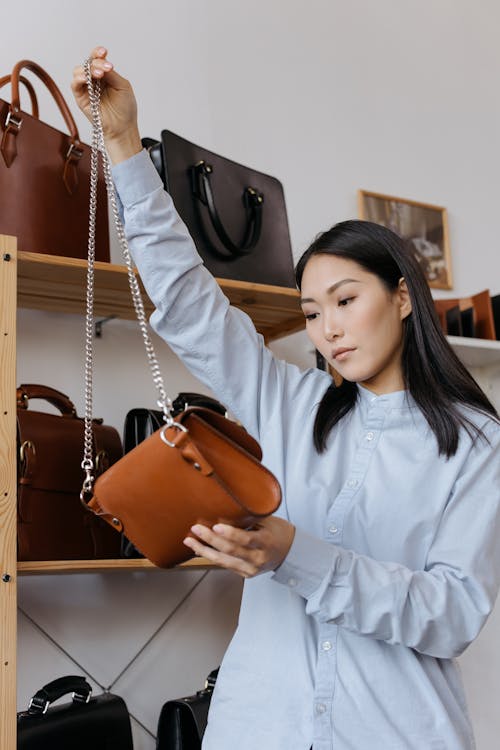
(476, 352)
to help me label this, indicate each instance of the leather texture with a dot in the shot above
(45, 177)
(52, 523)
(210, 472)
(183, 721)
(102, 723)
(236, 215)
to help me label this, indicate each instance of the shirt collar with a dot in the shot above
(395, 400)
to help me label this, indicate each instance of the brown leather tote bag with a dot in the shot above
(199, 467)
(44, 177)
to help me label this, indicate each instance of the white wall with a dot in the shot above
(395, 97)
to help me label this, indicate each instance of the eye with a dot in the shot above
(345, 301)
(310, 316)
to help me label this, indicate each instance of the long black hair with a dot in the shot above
(432, 372)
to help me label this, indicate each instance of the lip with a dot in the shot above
(341, 353)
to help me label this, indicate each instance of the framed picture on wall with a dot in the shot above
(426, 226)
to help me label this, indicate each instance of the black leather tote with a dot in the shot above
(100, 723)
(236, 215)
(183, 721)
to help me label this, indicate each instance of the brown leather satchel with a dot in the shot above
(203, 468)
(44, 177)
(199, 467)
(52, 523)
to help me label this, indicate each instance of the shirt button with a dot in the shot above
(333, 529)
(370, 435)
(352, 483)
(292, 581)
(326, 646)
(320, 708)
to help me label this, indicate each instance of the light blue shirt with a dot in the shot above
(395, 563)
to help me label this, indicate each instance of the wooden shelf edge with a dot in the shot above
(55, 283)
(46, 567)
(476, 352)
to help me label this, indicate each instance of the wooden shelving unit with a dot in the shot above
(46, 282)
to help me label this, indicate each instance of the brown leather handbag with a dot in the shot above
(51, 522)
(44, 177)
(199, 467)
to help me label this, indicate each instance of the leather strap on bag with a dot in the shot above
(252, 200)
(25, 392)
(13, 123)
(4, 80)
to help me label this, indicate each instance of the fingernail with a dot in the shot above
(218, 528)
(195, 529)
(107, 65)
(187, 542)
(101, 50)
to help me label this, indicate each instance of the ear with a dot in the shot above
(403, 299)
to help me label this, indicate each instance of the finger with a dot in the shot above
(225, 538)
(241, 537)
(221, 559)
(98, 51)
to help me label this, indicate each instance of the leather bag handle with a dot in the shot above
(58, 399)
(4, 80)
(13, 123)
(56, 689)
(252, 200)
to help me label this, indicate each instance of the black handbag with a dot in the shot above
(99, 723)
(183, 721)
(141, 422)
(236, 215)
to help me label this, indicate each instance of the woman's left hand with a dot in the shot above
(247, 553)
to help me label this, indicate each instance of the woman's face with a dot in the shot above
(355, 322)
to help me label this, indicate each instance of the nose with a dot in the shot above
(332, 329)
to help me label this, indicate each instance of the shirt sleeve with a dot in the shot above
(437, 611)
(217, 342)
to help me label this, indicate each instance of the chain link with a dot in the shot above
(98, 146)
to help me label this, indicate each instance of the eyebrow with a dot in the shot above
(330, 289)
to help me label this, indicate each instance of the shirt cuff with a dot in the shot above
(308, 562)
(135, 178)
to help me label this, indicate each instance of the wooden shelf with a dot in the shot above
(45, 567)
(476, 352)
(51, 282)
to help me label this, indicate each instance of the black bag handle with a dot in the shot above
(252, 200)
(54, 690)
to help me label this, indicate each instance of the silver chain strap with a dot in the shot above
(164, 402)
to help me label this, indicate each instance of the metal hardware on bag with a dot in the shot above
(197, 467)
(13, 122)
(38, 705)
(115, 521)
(74, 151)
(178, 426)
(101, 462)
(98, 145)
(81, 697)
(27, 445)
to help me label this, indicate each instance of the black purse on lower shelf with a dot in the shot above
(183, 721)
(96, 723)
(141, 422)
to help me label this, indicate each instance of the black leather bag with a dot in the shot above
(183, 721)
(236, 215)
(87, 723)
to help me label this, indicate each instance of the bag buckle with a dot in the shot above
(12, 122)
(81, 697)
(38, 705)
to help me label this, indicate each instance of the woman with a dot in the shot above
(382, 563)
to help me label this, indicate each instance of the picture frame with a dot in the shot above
(424, 224)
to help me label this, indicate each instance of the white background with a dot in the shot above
(398, 97)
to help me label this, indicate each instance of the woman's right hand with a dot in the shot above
(118, 106)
